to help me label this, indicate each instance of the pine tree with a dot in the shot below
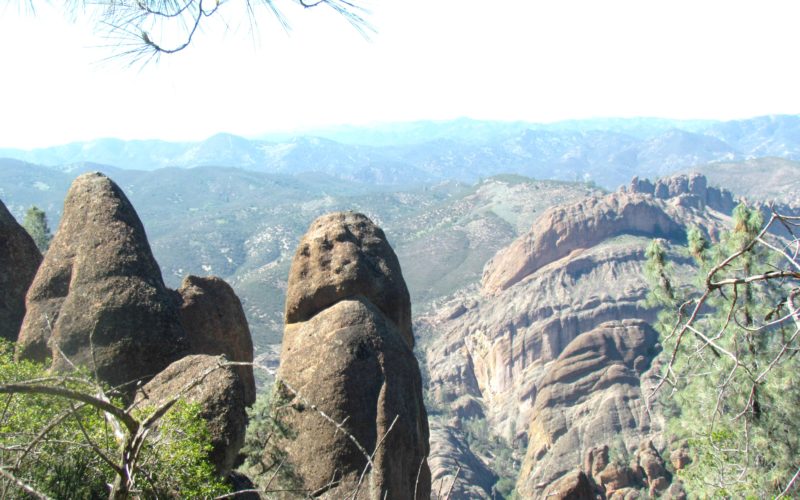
(35, 222)
(732, 359)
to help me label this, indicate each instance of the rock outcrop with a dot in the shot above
(687, 187)
(215, 323)
(98, 298)
(563, 230)
(347, 351)
(220, 393)
(580, 270)
(344, 255)
(573, 486)
(449, 456)
(19, 260)
(589, 394)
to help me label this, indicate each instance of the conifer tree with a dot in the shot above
(35, 222)
(731, 344)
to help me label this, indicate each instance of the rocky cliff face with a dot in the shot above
(347, 351)
(19, 260)
(551, 349)
(98, 299)
(591, 392)
(563, 230)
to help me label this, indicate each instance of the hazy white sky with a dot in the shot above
(529, 60)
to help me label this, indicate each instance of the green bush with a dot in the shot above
(64, 448)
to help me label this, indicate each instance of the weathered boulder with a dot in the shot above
(344, 255)
(654, 469)
(573, 486)
(217, 389)
(562, 230)
(595, 460)
(19, 260)
(680, 457)
(589, 396)
(98, 298)
(351, 358)
(615, 477)
(215, 323)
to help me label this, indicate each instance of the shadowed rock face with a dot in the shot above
(98, 298)
(19, 260)
(341, 256)
(352, 358)
(215, 323)
(219, 392)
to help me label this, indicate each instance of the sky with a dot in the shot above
(530, 60)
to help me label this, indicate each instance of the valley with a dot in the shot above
(524, 262)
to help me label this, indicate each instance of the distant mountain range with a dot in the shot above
(607, 152)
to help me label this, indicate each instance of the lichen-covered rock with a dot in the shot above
(19, 260)
(215, 323)
(220, 393)
(344, 255)
(347, 353)
(98, 298)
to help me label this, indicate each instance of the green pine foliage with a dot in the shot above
(35, 223)
(733, 388)
(266, 462)
(57, 446)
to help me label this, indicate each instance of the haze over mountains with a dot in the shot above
(607, 152)
(460, 203)
(242, 206)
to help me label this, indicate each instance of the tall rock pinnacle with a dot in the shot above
(19, 260)
(98, 298)
(347, 350)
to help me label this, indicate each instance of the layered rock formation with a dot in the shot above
(98, 298)
(563, 230)
(215, 323)
(549, 345)
(347, 354)
(220, 393)
(592, 391)
(19, 260)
